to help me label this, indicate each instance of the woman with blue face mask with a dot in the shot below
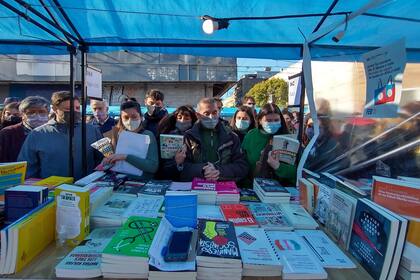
(257, 145)
(242, 122)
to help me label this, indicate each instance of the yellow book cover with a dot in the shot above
(72, 224)
(34, 234)
(11, 174)
(54, 181)
(413, 232)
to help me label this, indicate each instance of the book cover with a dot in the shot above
(181, 209)
(127, 189)
(209, 212)
(295, 255)
(306, 190)
(199, 184)
(248, 195)
(270, 187)
(239, 214)
(156, 187)
(323, 202)
(134, 238)
(373, 238)
(402, 197)
(145, 206)
(413, 231)
(85, 259)
(286, 148)
(54, 181)
(255, 247)
(226, 187)
(341, 216)
(217, 239)
(73, 213)
(11, 174)
(170, 144)
(114, 207)
(298, 217)
(269, 216)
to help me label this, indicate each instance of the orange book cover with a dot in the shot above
(306, 195)
(400, 196)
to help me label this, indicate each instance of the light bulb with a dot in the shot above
(209, 26)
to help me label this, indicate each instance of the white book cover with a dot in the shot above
(298, 217)
(209, 212)
(341, 216)
(297, 258)
(329, 255)
(269, 216)
(410, 257)
(323, 202)
(85, 260)
(170, 144)
(114, 207)
(255, 247)
(145, 206)
(286, 147)
(130, 143)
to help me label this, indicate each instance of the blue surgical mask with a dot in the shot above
(242, 125)
(183, 126)
(210, 122)
(271, 127)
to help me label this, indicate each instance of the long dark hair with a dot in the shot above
(248, 111)
(271, 108)
(167, 124)
(128, 104)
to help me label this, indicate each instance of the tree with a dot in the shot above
(278, 88)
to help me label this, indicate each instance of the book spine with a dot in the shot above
(272, 245)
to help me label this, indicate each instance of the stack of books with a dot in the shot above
(218, 255)
(271, 191)
(227, 192)
(409, 268)
(270, 216)
(205, 190)
(248, 196)
(126, 255)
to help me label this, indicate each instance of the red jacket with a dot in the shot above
(11, 140)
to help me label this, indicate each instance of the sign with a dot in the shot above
(384, 68)
(93, 82)
(294, 90)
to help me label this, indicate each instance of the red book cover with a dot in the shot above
(227, 187)
(199, 184)
(239, 214)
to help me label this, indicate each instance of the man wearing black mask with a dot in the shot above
(10, 115)
(155, 110)
(46, 147)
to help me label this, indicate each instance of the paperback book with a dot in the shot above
(270, 216)
(170, 144)
(239, 214)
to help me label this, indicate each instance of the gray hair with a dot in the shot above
(206, 100)
(103, 101)
(33, 101)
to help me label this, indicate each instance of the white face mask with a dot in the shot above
(242, 125)
(131, 125)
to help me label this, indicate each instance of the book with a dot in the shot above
(144, 206)
(155, 187)
(180, 186)
(92, 177)
(54, 181)
(111, 212)
(21, 199)
(84, 261)
(345, 186)
(341, 215)
(307, 174)
(205, 190)
(181, 209)
(209, 212)
(126, 255)
(257, 255)
(269, 216)
(402, 197)
(374, 238)
(411, 257)
(270, 187)
(239, 214)
(307, 194)
(298, 217)
(11, 174)
(227, 192)
(98, 195)
(328, 254)
(248, 196)
(217, 242)
(170, 144)
(73, 212)
(412, 179)
(129, 189)
(286, 148)
(297, 258)
(294, 194)
(323, 202)
(405, 274)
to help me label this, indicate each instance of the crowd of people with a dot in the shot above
(213, 148)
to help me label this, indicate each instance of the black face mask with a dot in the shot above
(12, 120)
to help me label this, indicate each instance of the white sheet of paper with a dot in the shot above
(132, 144)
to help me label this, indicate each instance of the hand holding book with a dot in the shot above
(273, 160)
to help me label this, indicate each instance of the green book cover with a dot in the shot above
(134, 238)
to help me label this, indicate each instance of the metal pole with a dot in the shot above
(301, 115)
(72, 52)
(84, 100)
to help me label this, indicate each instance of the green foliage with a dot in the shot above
(262, 91)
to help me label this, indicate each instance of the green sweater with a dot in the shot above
(150, 164)
(253, 144)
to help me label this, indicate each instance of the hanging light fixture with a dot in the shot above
(211, 24)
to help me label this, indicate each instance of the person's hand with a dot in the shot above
(180, 156)
(114, 158)
(211, 173)
(273, 160)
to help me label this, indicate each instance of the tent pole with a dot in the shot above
(84, 100)
(301, 114)
(72, 52)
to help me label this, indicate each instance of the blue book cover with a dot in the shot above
(369, 239)
(181, 209)
(19, 201)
